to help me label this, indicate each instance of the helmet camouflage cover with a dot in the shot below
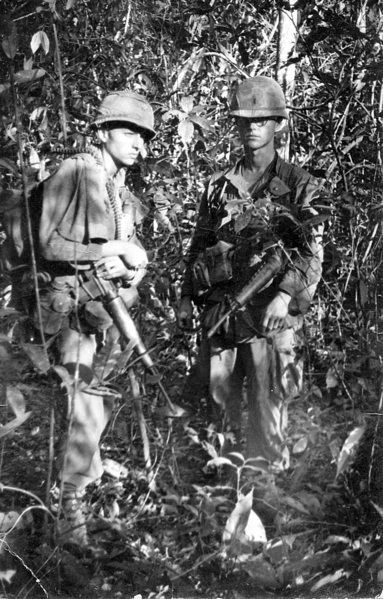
(258, 97)
(126, 106)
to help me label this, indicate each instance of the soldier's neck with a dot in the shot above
(257, 161)
(110, 165)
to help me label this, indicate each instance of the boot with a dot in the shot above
(72, 520)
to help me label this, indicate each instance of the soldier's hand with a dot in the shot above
(275, 314)
(113, 267)
(135, 258)
(185, 313)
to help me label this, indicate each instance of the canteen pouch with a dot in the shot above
(213, 267)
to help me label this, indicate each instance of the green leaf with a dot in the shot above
(329, 579)
(243, 526)
(168, 412)
(40, 39)
(220, 462)
(301, 444)
(4, 87)
(261, 571)
(201, 122)
(16, 422)
(153, 379)
(345, 456)
(38, 356)
(185, 131)
(15, 399)
(9, 164)
(187, 103)
(7, 575)
(9, 42)
(107, 359)
(29, 75)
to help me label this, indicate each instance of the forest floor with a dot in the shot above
(158, 533)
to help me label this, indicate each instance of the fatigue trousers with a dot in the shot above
(79, 461)
(272, 372)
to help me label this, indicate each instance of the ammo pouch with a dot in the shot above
(213, 267)
(56, 304)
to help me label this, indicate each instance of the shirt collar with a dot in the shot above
(235, 177)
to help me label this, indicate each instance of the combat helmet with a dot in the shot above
(128, 107)
(259, 97)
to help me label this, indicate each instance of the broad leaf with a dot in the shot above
(29, 75)
(7, 575)
(168, 412)
(15, 399)
(40, 39)
(106, 360)
(201, 122)
(261, 571)
(9, 164)
(349, 445)
(220, 462)
(13, 424)
(244, 528)
(38, 356)
(187, 103)
(9, 42)
(8, 520)
(301, 444)
(185, 131)
(4, 87)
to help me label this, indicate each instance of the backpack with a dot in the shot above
(15, 249)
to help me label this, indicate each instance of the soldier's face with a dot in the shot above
(256, 133)
(123, 144)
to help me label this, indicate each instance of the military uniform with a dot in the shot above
(91, 211)
(69, 241)
(87, 220)
(273, 213)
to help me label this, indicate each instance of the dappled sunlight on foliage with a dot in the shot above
(172, 516)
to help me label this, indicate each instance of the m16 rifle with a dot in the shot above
(273, 264)
(119, 313)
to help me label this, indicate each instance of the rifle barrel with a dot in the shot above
(125, 324)
(128, 330)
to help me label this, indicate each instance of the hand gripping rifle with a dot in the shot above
(271, 266)
(119, 313)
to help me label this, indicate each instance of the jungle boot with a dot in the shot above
(72, 521)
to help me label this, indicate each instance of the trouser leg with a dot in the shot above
(79, 459)
(226, 385)
(274, 376)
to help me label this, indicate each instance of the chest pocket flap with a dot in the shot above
(277, 187)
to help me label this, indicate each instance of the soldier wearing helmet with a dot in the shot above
(247, 213)
(88, 223)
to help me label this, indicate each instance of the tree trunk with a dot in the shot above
(285, 75)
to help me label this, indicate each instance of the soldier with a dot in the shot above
(256, 209)
(88, 221)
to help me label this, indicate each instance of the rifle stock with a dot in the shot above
(264, 275)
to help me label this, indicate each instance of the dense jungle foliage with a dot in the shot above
(171, 518)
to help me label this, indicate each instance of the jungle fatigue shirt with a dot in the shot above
(276, 208)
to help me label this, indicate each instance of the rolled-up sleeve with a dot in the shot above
(304, 268)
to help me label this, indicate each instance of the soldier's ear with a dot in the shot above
(101, 135)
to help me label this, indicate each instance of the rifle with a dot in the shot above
(271, 266)
(119, 313)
